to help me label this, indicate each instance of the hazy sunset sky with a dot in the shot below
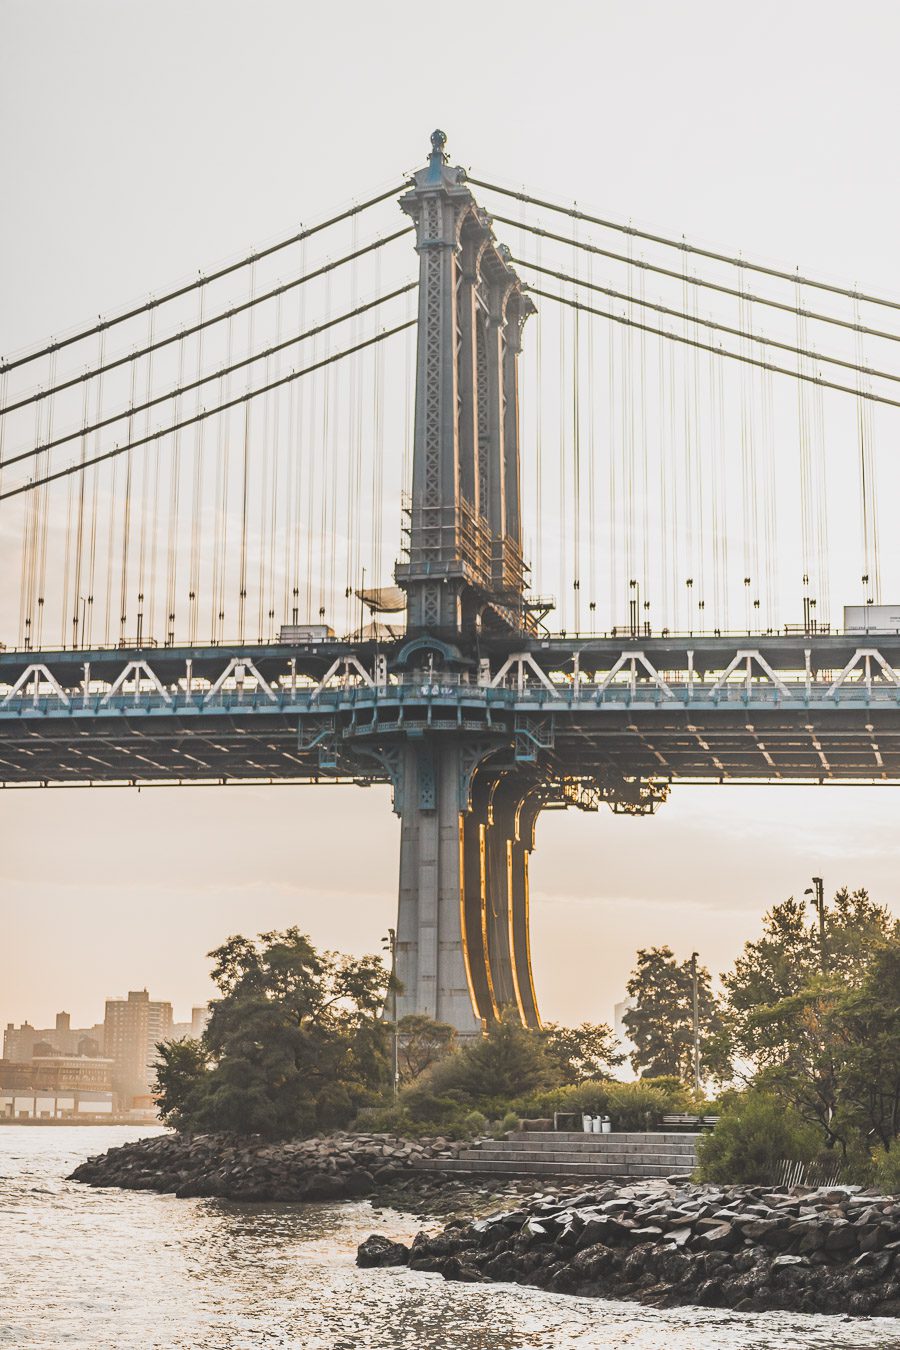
(144, 141)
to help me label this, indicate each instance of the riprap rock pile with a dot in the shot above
(324, 1168)
(834, 1250)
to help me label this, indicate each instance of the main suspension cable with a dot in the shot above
(203, 324)
(717, 351)
(855, 366)
(206, 379)
(105, 324)
(718, 286)
(683, 246)
(210, 412)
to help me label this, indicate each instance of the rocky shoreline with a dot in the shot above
(752, 1249)
(341, 1166)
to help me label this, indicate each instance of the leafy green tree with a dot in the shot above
(786, 958)
(794, 1047)
(421, 1043)
(661, 1022)
(181, 1071)
(295, 1042)
(508, 1062)
(866, 1033)
(582, 1053)
(782, 1013)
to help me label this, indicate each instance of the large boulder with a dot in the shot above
(378, 1251)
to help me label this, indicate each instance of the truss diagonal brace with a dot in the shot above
(631, 660)
(137, 668)
(351, 666)
(747, 657)
(241, 663)
(37, 672)
(523, 661)
(867, 655)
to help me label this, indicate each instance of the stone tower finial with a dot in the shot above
(438, 157)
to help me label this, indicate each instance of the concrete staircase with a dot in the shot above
(562, 1154)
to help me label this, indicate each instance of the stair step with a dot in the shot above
(509, 1167)
(617, 1159)
(619, 1136)
(608, 1144)
(564, 1153)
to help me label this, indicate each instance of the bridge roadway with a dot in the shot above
(621, 712)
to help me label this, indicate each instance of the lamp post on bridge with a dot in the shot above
(817, 891)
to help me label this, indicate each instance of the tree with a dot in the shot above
(508, 1062)
(661, 1022)
(866, 1027)
(786, 958)
(794, 1052)
(780, 1006)
(180, 1076)
(582, 1053)
(295, 1043)
(421, 1043)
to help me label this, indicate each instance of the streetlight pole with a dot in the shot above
(817, 891)
(391, 944)
(696, 1020)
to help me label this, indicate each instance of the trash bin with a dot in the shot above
(605, 1125)
(586, 1124)
(597, 1125)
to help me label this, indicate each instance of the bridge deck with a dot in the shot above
(712, 711)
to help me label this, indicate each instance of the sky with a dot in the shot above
(143, 142)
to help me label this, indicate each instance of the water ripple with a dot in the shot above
(87, 1269)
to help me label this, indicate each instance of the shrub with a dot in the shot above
(886, 1168)
(491, 1069)
(638, 1106)
(509, 1123)
(754, 1135)
(631, 1106)
(397, 1120)
(475, 1123)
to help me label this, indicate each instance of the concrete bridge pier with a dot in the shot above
(463, 948)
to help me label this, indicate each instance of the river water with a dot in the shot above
(130, 1270)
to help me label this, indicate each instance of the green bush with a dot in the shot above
(638, 1106)
(886, 1168)
(475, 1123)
(489, 1070)
(509, 1123)
(397, 1120)
(630, 1106)
(754, 1135)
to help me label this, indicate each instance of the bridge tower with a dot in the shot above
(466, 831)
(465, 570)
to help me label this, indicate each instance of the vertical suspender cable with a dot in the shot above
(96, 481)
(145, 502)
(592, 469)
(126, 515)
(174, 512)
(576, 464)
(274, 521)
(45, 508)
(196, 493)
(245, 479)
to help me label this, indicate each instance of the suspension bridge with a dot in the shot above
(276, 525)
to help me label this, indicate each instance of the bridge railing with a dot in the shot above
(283, 698)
